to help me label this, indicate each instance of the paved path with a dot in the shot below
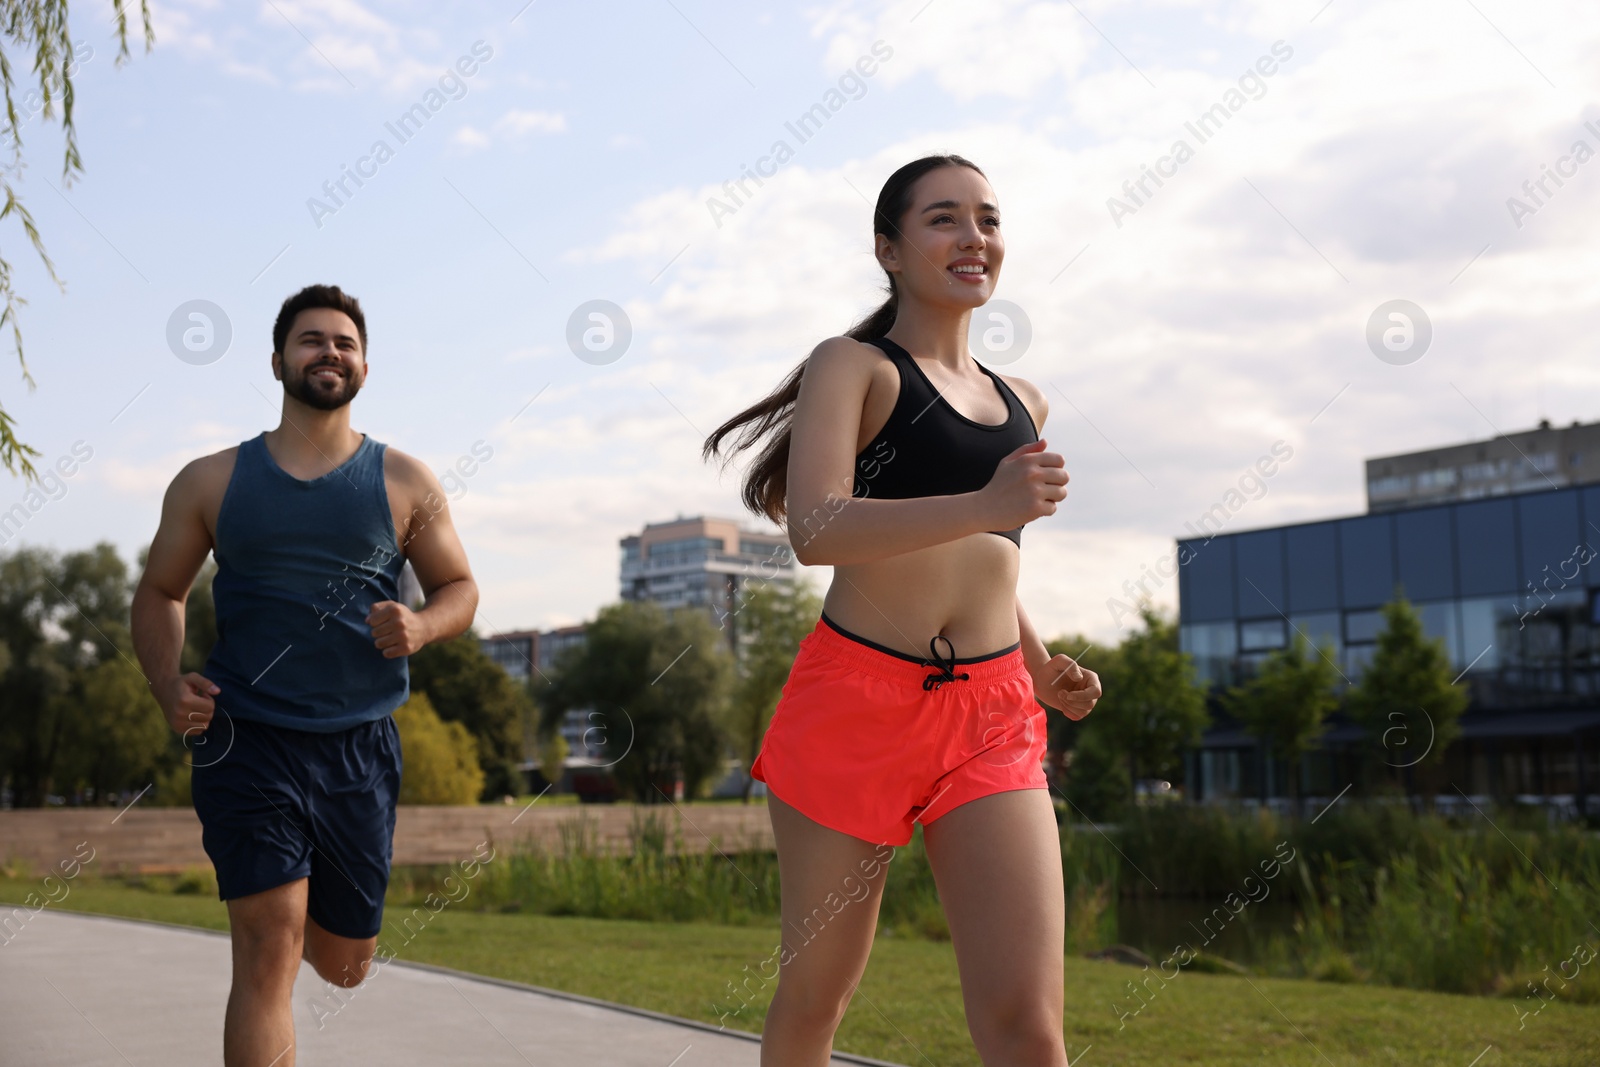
(90, 991)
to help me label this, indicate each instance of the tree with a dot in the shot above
(115, 737)
(40, 26)
(1152, 709)
(464, 685)
(553, 758)
(439, 759)
(775, 617)
(657, 684)
(1287, 703)
(58, 615)
(1096, 774)
(1406, 699)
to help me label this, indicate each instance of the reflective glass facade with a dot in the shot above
(1509, 584)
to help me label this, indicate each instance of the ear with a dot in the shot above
(277, 366)
(885, 250)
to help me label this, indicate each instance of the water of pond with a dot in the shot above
(1157, 926)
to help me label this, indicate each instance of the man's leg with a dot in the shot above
(343, 961)
(267, 931)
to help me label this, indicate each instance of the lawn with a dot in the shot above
(909, 1005)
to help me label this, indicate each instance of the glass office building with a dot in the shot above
(1508, 583)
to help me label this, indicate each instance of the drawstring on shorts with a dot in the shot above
(946, 665)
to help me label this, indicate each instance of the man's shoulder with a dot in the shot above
(404, 468)
(207, 476)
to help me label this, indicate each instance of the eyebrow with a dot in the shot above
(312, 331)
(938, 204)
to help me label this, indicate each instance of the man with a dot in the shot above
(296, 755)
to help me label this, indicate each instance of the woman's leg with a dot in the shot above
(831, 884)
(997, 863)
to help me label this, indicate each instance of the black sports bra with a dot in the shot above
(928, 448)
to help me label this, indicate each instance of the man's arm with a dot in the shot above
(428, 539)
(176, 555)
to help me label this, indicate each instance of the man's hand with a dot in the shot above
(186, 701)
(396, 629)
(1065, 686)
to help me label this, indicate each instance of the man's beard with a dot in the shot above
(303, 388)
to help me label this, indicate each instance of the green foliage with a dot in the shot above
(773, 620)
(1288, 701)
(172, 788)
(553, 757)
(658, 685)
(440, 759)
(1406, 699)
(114, 735)
(1153, 709)
(1096, 774)
(40, 28)
(464, 685)
(655, 880)
(60, 616)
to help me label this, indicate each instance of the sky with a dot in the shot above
(1359, 153)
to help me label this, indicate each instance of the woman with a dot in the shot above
(911, 469)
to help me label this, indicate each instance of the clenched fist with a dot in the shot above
(1026, 485)
(396, 629)
(186, 701)
(1065, 686)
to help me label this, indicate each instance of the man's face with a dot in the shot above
(322, 363)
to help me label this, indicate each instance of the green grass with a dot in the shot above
(909, 1005)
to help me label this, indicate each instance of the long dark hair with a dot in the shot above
(766, 484)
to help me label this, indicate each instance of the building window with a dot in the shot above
(1213, 647)
(1320, 629)
(1439, 620)
(1260, 634)
(778, 553)
(1490, 637)
(1362, 627)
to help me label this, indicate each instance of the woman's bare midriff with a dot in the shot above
(964, 589)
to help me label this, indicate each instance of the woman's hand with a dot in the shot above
(1026, 485)
(1063, 685)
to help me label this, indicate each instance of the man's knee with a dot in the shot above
(340, 961)
(344, 969)
(266, 954)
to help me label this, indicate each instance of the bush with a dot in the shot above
(172, 788)
(440, 758)
(197, 880)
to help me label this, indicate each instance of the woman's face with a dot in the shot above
(950, 247)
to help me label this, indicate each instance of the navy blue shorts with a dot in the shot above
(277, 804)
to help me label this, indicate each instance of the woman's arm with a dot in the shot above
(827, 526)
(1060, 683)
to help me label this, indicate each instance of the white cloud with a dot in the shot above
(1180, 346)
(308, 45)
(513, 125)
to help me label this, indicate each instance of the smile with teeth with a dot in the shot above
(329, 373)
(970, 269)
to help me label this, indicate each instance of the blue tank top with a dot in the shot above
(299, 565)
